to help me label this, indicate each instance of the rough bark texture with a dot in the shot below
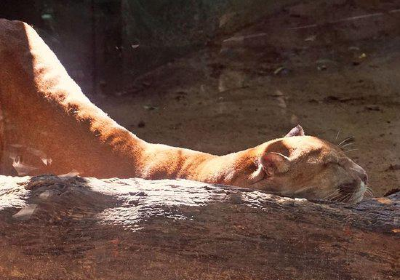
(85, 228)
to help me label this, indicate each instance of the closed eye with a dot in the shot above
(330, 163)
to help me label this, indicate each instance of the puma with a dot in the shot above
(49, 126)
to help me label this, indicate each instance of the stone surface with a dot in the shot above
(85, 228)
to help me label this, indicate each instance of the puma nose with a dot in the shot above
(360, 172)
(364, 177)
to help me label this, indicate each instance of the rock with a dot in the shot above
(86, 228)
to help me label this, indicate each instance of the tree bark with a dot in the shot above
(84, 228)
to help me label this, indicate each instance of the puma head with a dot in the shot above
(302, 166)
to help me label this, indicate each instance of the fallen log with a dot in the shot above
(85, 228)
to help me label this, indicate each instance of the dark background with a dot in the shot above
(108, 43)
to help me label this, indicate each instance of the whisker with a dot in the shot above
(369, 192)
(349, 197)
(345, 140)
(336, 197)
(346, 197)
(351, 150)
(347, 144)
(333, 192)
(303, 189)
(330, 195)
(337, 135)
(339, 199)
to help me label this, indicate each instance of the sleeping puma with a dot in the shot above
(49, 126)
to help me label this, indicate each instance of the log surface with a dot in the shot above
(84, 228)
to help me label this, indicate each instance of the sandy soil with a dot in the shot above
(338, 79)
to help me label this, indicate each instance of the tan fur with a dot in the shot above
(49, 126)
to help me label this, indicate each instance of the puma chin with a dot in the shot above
(306, 167)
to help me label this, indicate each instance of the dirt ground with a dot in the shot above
(333, 70)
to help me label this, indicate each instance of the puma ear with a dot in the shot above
(274, 163)
(296, 131)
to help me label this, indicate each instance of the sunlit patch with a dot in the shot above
(72, 173)
(26, 212)
(18, 154)
(22, 169)
(47, 161)
(384, 200)
(12, 192)
(163, 197)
